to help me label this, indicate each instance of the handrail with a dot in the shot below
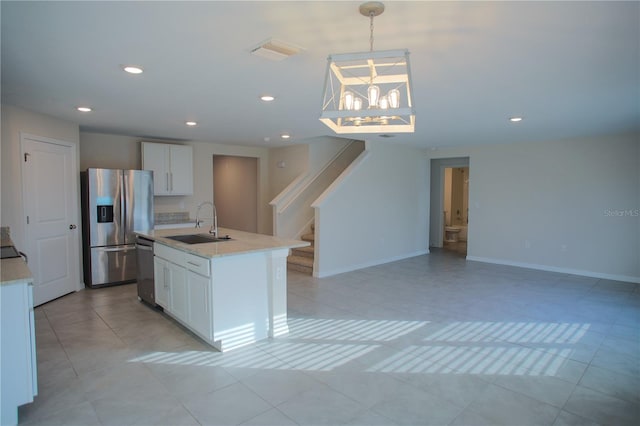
(304, 180)
(292, 210)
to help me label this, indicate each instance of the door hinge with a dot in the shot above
(26, 155)
(27, 220)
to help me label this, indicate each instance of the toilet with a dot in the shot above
(451, 234)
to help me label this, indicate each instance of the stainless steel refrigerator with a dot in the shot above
(115, 203)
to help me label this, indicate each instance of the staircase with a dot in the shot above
(301, 259)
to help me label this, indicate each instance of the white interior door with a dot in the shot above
(50, 196)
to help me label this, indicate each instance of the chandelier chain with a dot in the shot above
(371, 15)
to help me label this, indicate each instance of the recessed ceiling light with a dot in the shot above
(267, 98)
(84, 109)
(515, 119)
(285, 136)
(191, 123)
(133, 69)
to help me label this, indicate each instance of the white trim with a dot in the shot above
(74, 209)
(324, 274)
(548, 268)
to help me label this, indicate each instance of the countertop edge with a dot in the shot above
(241, 242)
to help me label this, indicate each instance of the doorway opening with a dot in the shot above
(456, 209)
(449, 218)
(235, 192)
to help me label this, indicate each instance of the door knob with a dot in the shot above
(72, 227)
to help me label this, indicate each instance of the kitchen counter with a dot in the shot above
(240, 242)
(230, 293)
(14, 270)
(19, 378)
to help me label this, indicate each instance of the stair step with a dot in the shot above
(300, 263)
(304, 252)
(300, 268)
(308, 237)
(300, 260)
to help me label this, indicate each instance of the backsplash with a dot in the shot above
(172, 217)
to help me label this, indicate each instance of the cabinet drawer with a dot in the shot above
(197, 264)
(168, 253)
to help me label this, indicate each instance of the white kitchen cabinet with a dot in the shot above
(185, 278)
(161, 282)
(19, 383)
(172, 167)
(178, 297)
(199, 303)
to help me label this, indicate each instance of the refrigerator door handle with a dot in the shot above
(123, 204)
(119, 248)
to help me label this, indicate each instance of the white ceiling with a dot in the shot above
(570, 68)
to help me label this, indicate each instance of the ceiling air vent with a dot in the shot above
(275, 50)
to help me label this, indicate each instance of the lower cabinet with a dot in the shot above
(183, 288)
(200, 315)
(178, 297)
(18, 377)
(161, 281)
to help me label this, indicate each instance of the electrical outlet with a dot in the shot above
(527, 244)
(563, 248)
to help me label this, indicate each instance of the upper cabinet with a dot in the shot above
(172, 167)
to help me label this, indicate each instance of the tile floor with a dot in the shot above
(428, 340)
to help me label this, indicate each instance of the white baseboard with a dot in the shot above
(548, 268)
(324, 274)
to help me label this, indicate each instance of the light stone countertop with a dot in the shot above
(240, 243)
(15, 270)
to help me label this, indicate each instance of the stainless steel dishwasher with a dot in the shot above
(144, 253)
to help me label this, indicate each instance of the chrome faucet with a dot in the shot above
(214, 220)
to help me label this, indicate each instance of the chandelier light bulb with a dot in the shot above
(394, 98)
(348, 100)
(357, 104)
(373, 92)
(383, 103)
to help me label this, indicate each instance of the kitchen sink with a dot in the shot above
(198, 238)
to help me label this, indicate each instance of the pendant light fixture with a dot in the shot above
(369, 92)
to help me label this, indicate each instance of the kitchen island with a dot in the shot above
(230, 293)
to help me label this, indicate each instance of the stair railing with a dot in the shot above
(292, 212)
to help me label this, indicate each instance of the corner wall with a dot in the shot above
(568, 206)
(376, 212)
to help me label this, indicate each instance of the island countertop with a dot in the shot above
(240, 242)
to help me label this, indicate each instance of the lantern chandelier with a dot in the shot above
(369, 92)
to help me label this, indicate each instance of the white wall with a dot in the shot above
(322, 150)
(295, 161)
(15, 121)
(93, 145)
(109, 151)
(376, 212)
(309, 159)
(555, 205)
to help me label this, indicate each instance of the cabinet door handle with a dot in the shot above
(171, 173)
(194, 264)
(165, 271)
(167, 180)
